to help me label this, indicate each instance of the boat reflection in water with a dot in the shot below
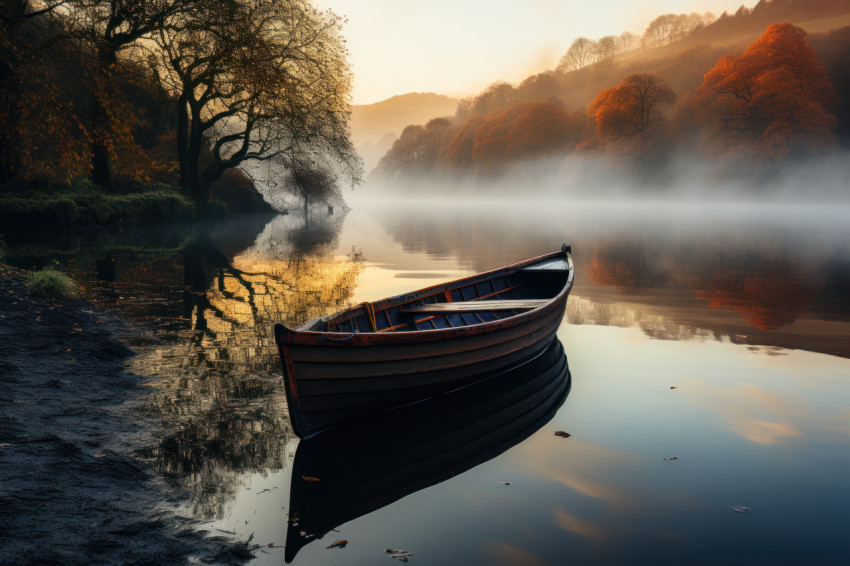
(345, 473)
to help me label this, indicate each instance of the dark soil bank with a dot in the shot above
(72, 490)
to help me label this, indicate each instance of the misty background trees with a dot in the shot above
(174, 91)
(683, 88)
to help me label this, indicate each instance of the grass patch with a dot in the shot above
(51, 284)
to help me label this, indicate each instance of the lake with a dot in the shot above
(704, 417)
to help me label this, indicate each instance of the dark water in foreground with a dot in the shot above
(708, 380)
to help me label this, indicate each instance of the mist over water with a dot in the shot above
(684, 177)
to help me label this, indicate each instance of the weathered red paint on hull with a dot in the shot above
(332, 377)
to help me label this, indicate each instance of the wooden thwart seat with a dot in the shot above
(477, 306)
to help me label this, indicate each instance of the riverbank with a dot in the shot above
(55, 208)
(74, 489)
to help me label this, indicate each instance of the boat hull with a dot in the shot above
(332, 377)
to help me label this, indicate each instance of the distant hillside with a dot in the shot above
(374, 127)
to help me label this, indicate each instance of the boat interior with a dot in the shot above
(466, 302)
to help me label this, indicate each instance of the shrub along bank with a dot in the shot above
(51, 207)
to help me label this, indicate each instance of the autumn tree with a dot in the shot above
(112, 27)
(417, 148)
(40, 128)
(632, 108)
(774, 100)
(493, 99)
(538, 88)
(526, 130)
(457, 153)
(254, 81)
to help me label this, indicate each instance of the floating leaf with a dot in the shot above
(739, 509)
(338, 544)
(309, 478)
(562, 434)
(401, 555)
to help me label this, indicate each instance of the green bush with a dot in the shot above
(51, 284)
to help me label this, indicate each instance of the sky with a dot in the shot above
(458, 47)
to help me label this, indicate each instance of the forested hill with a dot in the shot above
(570, 109)
(374, 127)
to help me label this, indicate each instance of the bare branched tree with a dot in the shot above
(582, 52)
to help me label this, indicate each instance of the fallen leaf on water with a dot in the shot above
(309, 478)
(100, 454)
(562, 434)
(338, 544)
(401, 555)
(5, 445)
(739, 508)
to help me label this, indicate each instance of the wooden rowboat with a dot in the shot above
(375, 462)
(403, 349)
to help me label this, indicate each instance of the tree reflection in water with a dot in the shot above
(216, 388)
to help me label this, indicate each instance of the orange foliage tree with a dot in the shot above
(39, 126)
(629, 117)
(632, 108)
(527, 130)
(773, 101)
(458, 152)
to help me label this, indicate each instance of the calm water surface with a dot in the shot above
(708, 407)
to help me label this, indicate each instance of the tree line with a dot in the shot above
(175, 91)
(773, 101)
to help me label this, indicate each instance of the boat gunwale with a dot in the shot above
(287, 335)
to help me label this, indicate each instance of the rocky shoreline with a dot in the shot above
(74, 489)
